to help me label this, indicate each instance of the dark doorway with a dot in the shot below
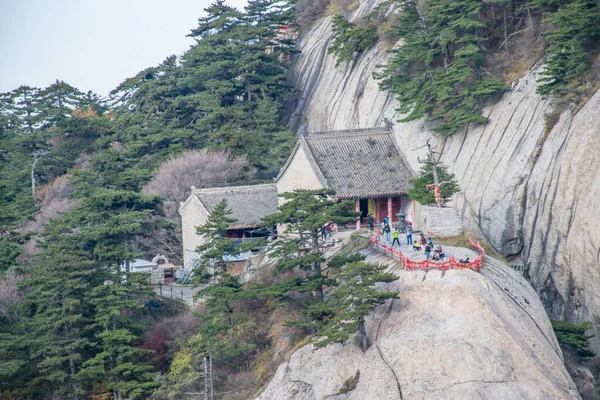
(364, 208)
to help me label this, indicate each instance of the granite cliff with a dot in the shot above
(531, 191)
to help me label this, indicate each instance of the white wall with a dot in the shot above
(192, 214)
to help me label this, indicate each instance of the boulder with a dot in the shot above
(450, 335)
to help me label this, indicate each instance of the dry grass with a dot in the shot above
(357, 243)
(516, 56)
(342, 6)
(463, 241)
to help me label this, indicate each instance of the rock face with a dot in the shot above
(529, 190)
(454, 335)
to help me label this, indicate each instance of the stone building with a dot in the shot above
(363, 165)
(247, 203)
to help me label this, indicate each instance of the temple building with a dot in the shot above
(363, 165)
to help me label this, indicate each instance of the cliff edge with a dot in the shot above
(450, 335)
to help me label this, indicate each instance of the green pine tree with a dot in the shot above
(306, 213)
(217, 245)
(118, 361)
(572, 40)
(352, 299)
(420, 190)
(438, 71)
(349, 40)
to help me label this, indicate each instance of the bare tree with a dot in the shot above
(196, 168)
(173, 181)
(37, 156)
(9, 291)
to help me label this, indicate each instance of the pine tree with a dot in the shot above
(118, 361)
(67, 305)
(352, 299)
(306, 213)
(349, 39)
(438, 71)
(422, 189)
(217, 245)
(572, 337)
(575, 33)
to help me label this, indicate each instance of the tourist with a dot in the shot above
(416, 245)
(423, 242)
(440, 253)
(408, 233)
(430, 242)
(371, 223)
(387, 230)
(427, 251)
(436, 255)
(395, 236)
(329, 229)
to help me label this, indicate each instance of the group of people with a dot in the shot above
(423, 244)
(426, 246)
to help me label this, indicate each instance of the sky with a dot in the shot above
(91, 44)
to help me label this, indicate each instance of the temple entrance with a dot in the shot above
(364, 209)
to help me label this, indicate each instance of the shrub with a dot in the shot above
(196, 168)
(349, 39)
(573, 338)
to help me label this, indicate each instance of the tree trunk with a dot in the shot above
(436, 181)
(317, 267)
(212, 393)
(205, 379)
(72, 368)
(363, 333)
(505, 23)
(37, 156)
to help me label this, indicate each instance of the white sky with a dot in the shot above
(91, 44)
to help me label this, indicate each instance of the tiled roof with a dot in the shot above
(248, 203)
(358, 163)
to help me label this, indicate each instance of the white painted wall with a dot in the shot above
(193, 214)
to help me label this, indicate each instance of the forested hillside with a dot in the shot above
(87, 182)
(73, 168)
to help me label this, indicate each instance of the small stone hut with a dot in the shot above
(247, 203)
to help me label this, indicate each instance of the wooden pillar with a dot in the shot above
(389, 211)
(358, 210)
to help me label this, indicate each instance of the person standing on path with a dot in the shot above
(387, 230)
(371, 223)
(395, 236)
(423, 241)
(409, 234)
(427, 251)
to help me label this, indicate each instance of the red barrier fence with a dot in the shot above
(426, 265)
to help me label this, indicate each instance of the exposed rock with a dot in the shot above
(529, 191)
(453, 335)
(441, 221)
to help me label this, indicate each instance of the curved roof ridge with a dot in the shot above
(218, 189)
(354, 131)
